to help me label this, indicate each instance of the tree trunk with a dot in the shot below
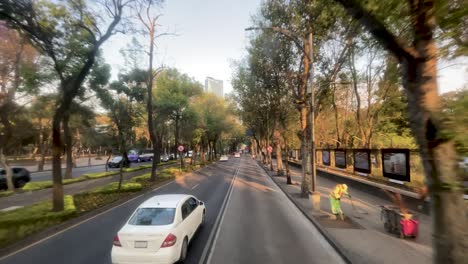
(107, 161)
(288, 172)
(68, 148)
(305, 185)
(439, 157)
(8, 171)
(358, 96)
(279, 160)
(306, 176)
(57, 188)
(176, 145)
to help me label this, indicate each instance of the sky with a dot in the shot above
(210, 35)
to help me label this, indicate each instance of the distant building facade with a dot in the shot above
(214, 86)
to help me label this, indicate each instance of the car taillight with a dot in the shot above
(117, 241)
(169, 241)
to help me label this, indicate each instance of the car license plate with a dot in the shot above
(141, 244)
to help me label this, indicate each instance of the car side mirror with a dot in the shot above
(200, 203)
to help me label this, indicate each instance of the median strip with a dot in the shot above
(18, 224)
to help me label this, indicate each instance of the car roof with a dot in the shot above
(164, 201)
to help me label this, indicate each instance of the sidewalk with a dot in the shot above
(361, 236)
(31, 197)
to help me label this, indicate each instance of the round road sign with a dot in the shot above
(180, 148)
(270, 149)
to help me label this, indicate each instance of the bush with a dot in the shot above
(97, 175)
(6, 193)
(113, 187)
(39, 185)
(19, 223)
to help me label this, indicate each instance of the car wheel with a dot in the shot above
(183, 251)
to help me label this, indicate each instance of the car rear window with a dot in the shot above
(152, 216)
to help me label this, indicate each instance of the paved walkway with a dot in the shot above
(361, 236)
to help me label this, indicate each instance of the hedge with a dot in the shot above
(19, 223)
(39, 185)
(6, 193)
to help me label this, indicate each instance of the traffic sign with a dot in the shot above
(270, 149)
(180, 148)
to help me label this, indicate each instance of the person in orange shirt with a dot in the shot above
(339, 191)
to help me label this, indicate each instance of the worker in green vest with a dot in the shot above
(339, 191)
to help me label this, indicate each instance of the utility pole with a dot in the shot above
(315, 195)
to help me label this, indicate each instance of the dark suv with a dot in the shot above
(20, 177)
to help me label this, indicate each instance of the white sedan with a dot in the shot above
(159, 230)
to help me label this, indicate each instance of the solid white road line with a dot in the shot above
(217, 224)
(79, 223)
(221, 222)
(195, 186)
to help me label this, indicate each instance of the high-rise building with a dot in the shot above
(214, 86)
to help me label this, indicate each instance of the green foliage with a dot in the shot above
(455, 111)
(6, 193)
(113, 187)
(97, 175)
(39, 185)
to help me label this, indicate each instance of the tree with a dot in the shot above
(417, 56)
(174, 91)
(148, 17)
(70, 34)
(122, 99)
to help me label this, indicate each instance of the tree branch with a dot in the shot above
(378, 30)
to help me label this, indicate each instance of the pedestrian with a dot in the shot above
(339, 191)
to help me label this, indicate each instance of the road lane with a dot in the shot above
(262, 226)
(77, 172)
(91, 241)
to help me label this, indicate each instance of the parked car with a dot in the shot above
(145, 157)
(133, 156)
(224, 158)
(237, 155)
(171, 156)
(165, 158)
(115, 162)
(160, 230)
(21, 176)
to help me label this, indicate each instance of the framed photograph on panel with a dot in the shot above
(396, 164)
(326, 157)
(362, 160)
(340, 158)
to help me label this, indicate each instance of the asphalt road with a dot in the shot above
(249, 220)
(76, 172)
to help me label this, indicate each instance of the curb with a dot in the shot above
(319, 227)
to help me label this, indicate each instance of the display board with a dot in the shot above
(362, 160)
(340, 158)
(396, 164)
(326, 157)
